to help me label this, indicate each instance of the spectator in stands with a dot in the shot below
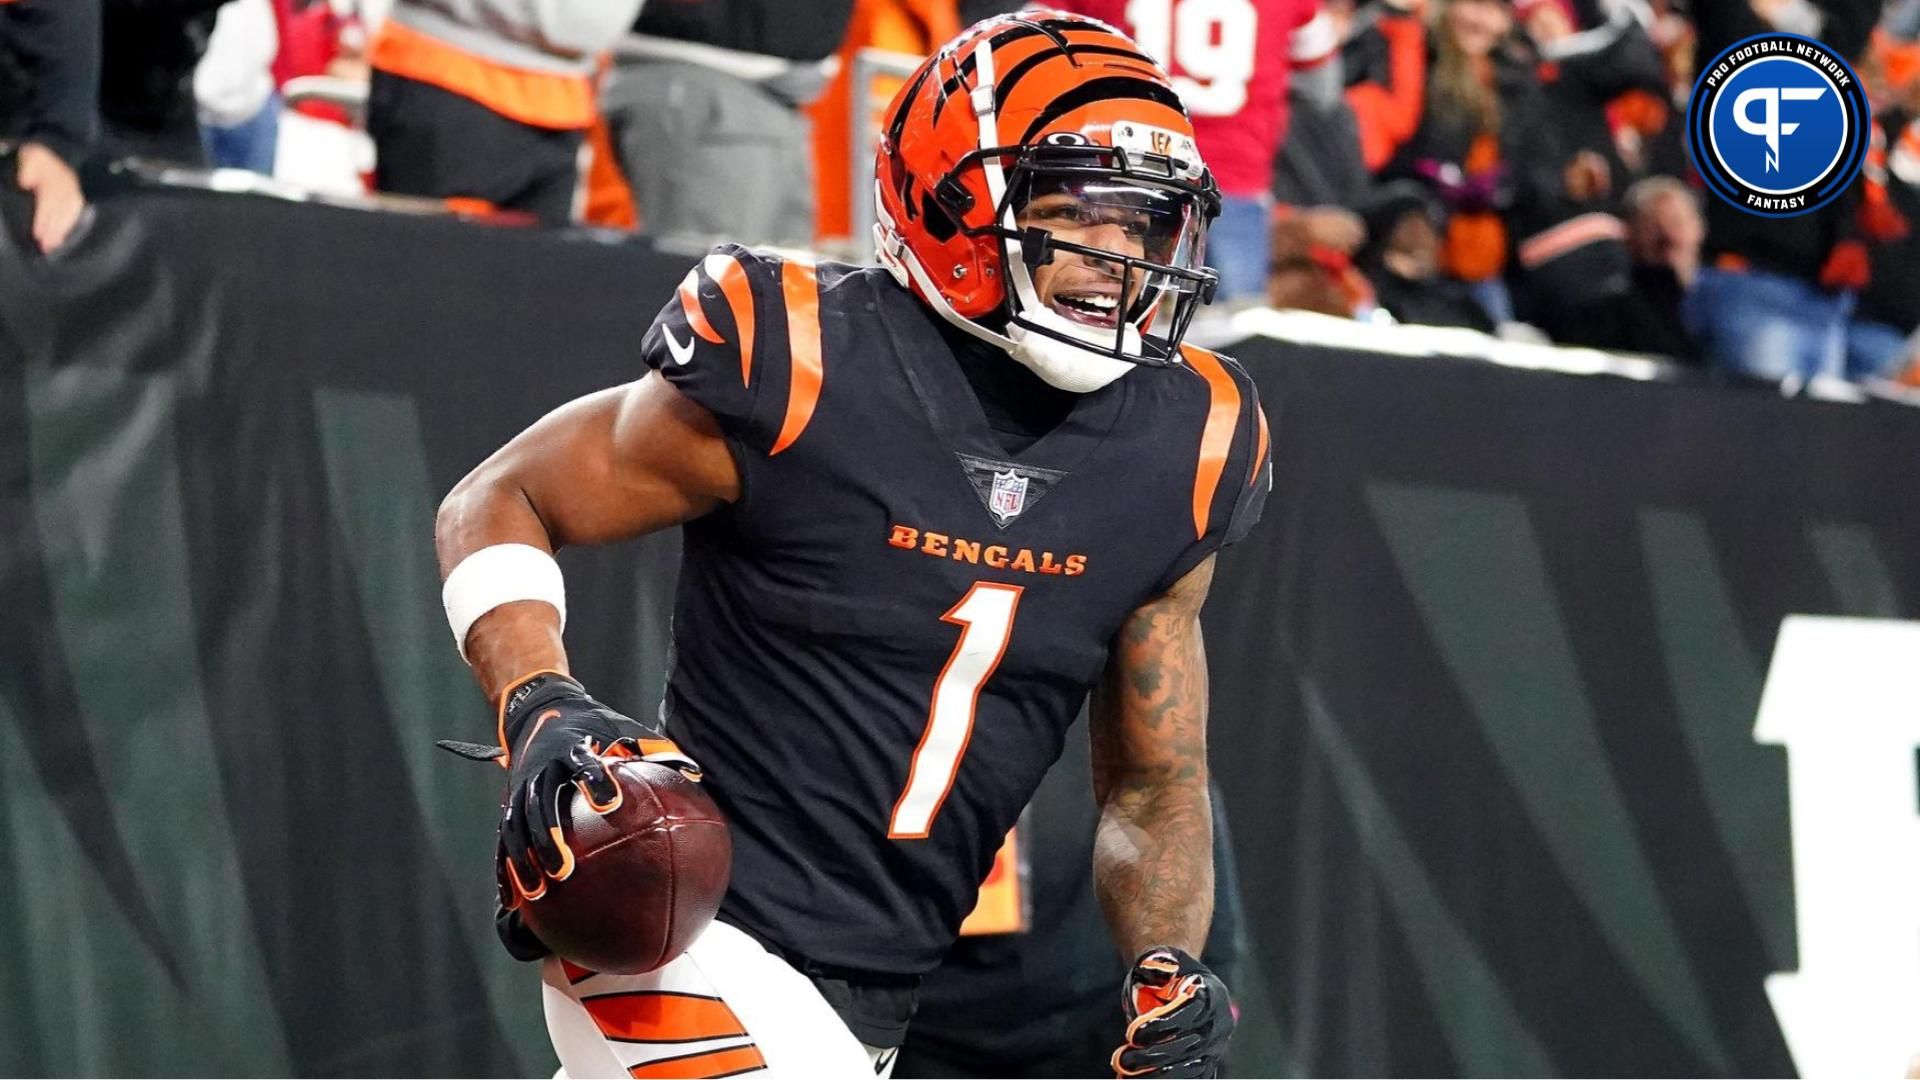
(1649, 129)
(910, 27)
(1884, 338)
(234, 87)
(1384, 63)
(1320, 162)
(1401, 260)
(49, 105)
(704, 109)
(1313, 269)
(1571, 259)
(1319, 175)
(488, 100)
(1664, 233)
(148, 52)
(1482, 145)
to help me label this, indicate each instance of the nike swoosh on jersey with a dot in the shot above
(682, 354)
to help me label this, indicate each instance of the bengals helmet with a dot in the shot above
(1045, 105)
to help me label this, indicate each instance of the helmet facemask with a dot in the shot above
(1115, 243)
(1116, 239)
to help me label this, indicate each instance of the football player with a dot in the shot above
(928, 508)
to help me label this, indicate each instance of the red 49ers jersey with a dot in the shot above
(880, 646)
(1230, 61)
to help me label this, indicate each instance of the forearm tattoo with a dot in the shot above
(1153, 854)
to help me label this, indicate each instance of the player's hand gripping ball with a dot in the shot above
(611, 854)
(1180, 1017)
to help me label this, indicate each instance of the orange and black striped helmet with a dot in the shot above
(1020, 104)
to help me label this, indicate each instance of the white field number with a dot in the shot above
(1841, 697)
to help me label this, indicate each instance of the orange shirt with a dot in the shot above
(908, 26)
(1387, 116)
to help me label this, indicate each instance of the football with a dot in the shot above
(648, 875)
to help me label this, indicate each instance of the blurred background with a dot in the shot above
(1563, 718)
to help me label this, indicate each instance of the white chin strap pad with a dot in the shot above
(1066, 366)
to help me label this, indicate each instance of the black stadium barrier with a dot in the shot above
(1485, 679)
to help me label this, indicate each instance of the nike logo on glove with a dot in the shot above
(682, 354)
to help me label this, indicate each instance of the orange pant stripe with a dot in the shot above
(712, 1063)
(661, 1016)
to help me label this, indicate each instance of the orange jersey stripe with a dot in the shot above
(727, 272)
(661, 1016)
(1216, 439)
(690, 304)
(711, 1063)
(1260, 451)
(802, 293)
(575, 973)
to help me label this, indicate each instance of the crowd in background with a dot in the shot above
(1512, 166)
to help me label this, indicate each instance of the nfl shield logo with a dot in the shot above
(1009, 495)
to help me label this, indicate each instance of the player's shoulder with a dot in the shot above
(1235, 466)
(754, 335)
(781, 269)
(1215, 393)
(739, 273)
(758, 289)
(1201, 358)
(1203, 377)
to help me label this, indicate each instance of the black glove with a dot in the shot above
(555, 739)
(1180, 1017)
(521, 942)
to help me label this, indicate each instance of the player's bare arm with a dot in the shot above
(606, 467)
(1153, 852)
(1153, 856)
(610, 466)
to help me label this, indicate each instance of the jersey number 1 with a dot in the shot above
(985, 617)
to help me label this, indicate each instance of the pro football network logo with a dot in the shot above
(1778, 125)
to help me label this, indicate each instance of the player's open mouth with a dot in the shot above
(1090, 307)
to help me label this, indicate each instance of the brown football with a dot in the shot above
(647, 877)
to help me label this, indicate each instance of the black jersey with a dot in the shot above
(879, 647)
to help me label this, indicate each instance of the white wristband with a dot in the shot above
(500, 574)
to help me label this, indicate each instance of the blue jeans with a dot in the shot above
(1241, 248)
(1768, 326)
(249, 144)
(1875, 350)
(1493, 298)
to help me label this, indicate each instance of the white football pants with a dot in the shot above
(724, 1007)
